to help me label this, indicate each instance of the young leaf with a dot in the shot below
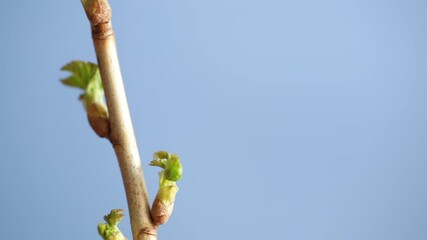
(170, 163)
(82, 73)
(109, 230)
(172, 171)
(86, 76)
(160, 159)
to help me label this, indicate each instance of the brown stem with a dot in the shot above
(122, 134)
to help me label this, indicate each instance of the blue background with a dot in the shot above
(293, 119)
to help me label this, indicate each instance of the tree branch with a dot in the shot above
(122, 134)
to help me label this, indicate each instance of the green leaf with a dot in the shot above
(86, 76)
(114, 217)
(160, 159)
(170, 163)
(81, 74)
(173, 170)
(161, 155)
(159, 162)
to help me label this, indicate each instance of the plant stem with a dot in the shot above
(122, 134)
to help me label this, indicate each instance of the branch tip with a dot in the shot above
(97, 11)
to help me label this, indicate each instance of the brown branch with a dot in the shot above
(122, 134)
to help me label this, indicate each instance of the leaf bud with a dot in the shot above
(163, 204)
(173, 170)
(97, 115)
(109, 230)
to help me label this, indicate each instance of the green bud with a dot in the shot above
(170, 163)
(102, 229)
(173, 170)
(109, 230)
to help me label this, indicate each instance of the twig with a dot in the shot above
(122, 134)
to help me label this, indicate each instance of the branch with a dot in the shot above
(122, 134)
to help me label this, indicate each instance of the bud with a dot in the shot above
(163, 204)
(173, 170)
(97, 114)
(86, 76)
(109, 230)
(170, 163)
(97, 11)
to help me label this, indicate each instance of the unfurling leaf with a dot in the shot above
(160, 159)
(109, 230)
(170, 163)
(82, 73)
(86, 76)
(172, 171)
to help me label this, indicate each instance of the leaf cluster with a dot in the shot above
(85, 76)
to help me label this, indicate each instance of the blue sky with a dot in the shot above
(293, 119)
